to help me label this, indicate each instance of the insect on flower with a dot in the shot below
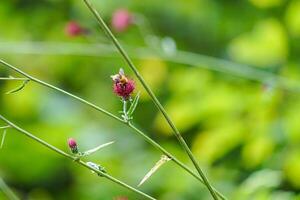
(123, 86)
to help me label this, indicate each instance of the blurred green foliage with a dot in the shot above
(245, 134)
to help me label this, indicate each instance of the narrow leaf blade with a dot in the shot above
(3, 138)
(18, 88)
(162, 161)
(133, 105)
(91, 151)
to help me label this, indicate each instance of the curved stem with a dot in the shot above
(80, 162)
(152, 142)
(151, 94)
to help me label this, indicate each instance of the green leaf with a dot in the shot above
(159, 163)
(18, 88)
(133, 105)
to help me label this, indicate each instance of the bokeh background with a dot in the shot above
(227, 72)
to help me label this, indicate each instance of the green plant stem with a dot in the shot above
(7, 191)
(12, 79)
(4, 127)
(151, 94)
(125, 110)
(80, 162)
(152, 142)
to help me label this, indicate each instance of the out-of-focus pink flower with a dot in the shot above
(121, 19)
(123, 86)
(73, 145)
(74, 29)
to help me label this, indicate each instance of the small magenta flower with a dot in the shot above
(73, 145)
(74, 29)
(123, 86)
(121, 20)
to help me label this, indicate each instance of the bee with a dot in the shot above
(120, 77)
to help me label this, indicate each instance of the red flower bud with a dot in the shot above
(123, 86)
(73, 145)
(121, 20)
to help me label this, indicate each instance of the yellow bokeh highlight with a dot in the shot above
(291, 168)
(154, 71)
(266, 3)
(265, 46)
(292, 18)
(255, 152)
(213, 144)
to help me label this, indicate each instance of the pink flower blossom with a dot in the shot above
(123, 86)
(121, 20)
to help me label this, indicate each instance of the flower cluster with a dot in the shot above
(123, 86)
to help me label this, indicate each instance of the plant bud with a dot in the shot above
(73, 145)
